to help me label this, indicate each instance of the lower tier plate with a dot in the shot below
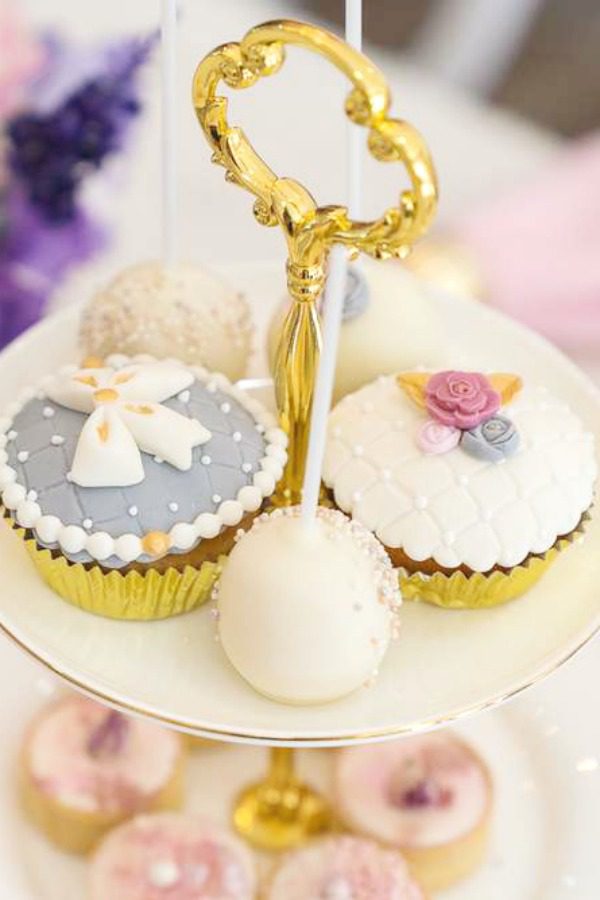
(445, 665)
(541, 750)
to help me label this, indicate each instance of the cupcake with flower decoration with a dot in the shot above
(129, 478)
(473, 482)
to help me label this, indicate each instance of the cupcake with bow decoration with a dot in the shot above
(473, 482)
(128, 479)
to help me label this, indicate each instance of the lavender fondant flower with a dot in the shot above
(433, 437)
(492, 440)
(461, 399)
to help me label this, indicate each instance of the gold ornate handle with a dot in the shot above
(311, 230)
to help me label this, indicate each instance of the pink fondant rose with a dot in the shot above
(436, 438)
(461, 399)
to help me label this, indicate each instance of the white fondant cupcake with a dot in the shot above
(182, 311)
(85, 769)
(130, 479)
(174, 856)
(343, 868)
(430, 796)
(472, 482)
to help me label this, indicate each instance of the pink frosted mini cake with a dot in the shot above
(85, 768)
(430, 796)
(342, 868)
(171, 856)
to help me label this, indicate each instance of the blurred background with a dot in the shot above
(506, 94)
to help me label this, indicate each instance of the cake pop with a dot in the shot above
(306, 610)
(389, 324)
(181, 310)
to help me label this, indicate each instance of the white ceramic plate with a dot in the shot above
(446, 664)
(543, 751)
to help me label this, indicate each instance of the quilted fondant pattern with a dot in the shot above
(455, 508)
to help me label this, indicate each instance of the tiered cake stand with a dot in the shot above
(447, 664)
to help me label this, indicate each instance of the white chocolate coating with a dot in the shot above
(399, 329)
(171, 857)
(343, 868)
(121, 777)
(455, 508)
(185, 311)
(306, 611)
(423, 791)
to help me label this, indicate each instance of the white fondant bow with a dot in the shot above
(126, 417)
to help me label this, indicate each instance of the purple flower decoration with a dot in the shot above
(461, 399)
(44, 231)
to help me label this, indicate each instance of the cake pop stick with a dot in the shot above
(169, 129)
(334, 298)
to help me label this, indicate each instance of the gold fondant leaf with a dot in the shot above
(413, 384)
(506, 385)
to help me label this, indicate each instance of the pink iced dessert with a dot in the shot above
(418, 792)
(430, 796)
(171, 857)
(342, 868)
(95, 760)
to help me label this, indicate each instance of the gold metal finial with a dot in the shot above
(311, 230)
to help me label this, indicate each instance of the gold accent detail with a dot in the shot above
(86, 379)
(156, 543)
(106, 395)
(103, 432)
(92, 362)
(142, 410)
(414, 384)
(311, 230)
(280, 812)
(124, 377)
(508, 386)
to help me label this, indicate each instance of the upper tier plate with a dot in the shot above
(446, 664)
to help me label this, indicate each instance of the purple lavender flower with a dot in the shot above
(50, 151)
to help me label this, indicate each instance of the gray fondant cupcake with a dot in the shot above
(130, 478)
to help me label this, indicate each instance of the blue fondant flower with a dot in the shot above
(492, 440)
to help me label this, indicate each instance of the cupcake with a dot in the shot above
(182, 311)
(389, 323)
(472, 482)
(85, 768)
(129, 479)
(174, 856)
(342, 868)
(430, 796)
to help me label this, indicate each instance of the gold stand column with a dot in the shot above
(281, 812)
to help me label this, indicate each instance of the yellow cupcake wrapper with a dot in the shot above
(153, 595)
(481, 591)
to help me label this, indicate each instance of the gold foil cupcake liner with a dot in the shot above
(153, 595)
(480, 590)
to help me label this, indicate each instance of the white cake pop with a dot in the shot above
(306, 610)
(389, 325)
(182, 311)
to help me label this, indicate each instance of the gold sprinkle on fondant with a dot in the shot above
(124, 377)
(92, 362)
(87, 379)
(103, 432)
(142, 409)
(155, 543)
(106, 395)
